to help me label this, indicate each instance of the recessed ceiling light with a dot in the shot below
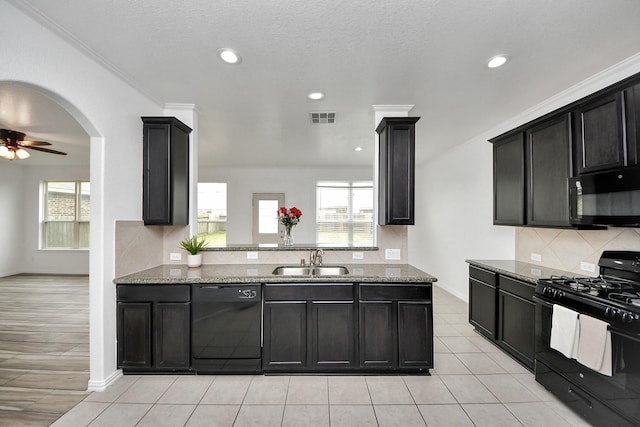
(497, 61)
(315, 95)
(358, 149)
(229, 56)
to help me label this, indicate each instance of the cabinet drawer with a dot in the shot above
(483, 275)
(517, 287)
(312, 291)
(386, 292)
(154, 293)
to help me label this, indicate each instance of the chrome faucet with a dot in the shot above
(315, 257)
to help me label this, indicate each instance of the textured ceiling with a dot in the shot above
(359, 52)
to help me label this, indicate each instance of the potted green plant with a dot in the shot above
(194, 245)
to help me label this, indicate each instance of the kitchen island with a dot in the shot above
(242, 318)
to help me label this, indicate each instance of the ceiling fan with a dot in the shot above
(13, 145)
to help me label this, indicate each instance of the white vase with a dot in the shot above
(194, 260)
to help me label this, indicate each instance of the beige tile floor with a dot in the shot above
(473, 383)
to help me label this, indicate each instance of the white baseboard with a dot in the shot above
(464, 298)
(103, 384)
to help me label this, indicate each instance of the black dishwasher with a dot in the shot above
(226, 328)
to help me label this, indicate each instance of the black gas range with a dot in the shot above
(612, 297)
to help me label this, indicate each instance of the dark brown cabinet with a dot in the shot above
(483, 301)
(309, 327)
(516, 319)
(508, 180)
(153, 328)
(165, 171)
(323, 328)
(548, 170)
(285, 335)
(396, 327)
(533, 162)
(397, 170)
(530, 175)
(632, 123)
(600, 141)
(502, 309)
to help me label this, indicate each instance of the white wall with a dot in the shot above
(109, 110)
(48, 261)
(298, 184)
(11, 218)
(454, 216)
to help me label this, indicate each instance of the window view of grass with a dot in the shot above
(212, 212)
(218, 238)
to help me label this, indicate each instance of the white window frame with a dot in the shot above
(350, 224)
(76, 221)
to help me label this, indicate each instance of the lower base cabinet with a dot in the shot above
(516, 324)
(483, 300)
(396, 327)
(153, 328)
(502, 309)
(377, 328)
(309, 327)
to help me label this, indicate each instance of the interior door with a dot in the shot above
(266, 228)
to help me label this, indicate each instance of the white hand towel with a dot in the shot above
(565, 331)
(594, 348)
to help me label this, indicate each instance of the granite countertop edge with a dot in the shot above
(262, 273)
(518, 269)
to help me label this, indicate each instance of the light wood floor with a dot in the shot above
(44, 347)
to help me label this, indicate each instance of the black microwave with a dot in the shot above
(606, 198)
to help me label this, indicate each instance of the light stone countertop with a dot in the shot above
(519, 270)
(262, 273)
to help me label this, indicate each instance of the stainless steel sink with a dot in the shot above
(318, 270)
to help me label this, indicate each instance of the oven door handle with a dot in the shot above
(542, 302)
(623, 334)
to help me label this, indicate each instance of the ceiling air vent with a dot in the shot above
(321, 118)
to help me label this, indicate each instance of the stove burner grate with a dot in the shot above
(572, 282)
(625, 297)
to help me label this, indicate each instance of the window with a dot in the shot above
(344, 213)
(212, 212)
(66, 215)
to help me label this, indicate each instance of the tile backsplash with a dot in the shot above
(139, 247)
(566, 249)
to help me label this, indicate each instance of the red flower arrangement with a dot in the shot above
(289, 217)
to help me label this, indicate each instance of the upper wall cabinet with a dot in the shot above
(606, 131)
(397, 170)
(530, 175)
(548, 169)
(508, 180)
(165, 171)
(632, 123)
(600, 142)
(533, 163)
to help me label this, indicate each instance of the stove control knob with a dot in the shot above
(607, 312)
(626, 317)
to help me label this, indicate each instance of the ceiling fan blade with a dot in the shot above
(46, 150)
(33, 143)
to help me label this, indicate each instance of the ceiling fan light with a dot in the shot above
(6, 153)
(22, 154)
